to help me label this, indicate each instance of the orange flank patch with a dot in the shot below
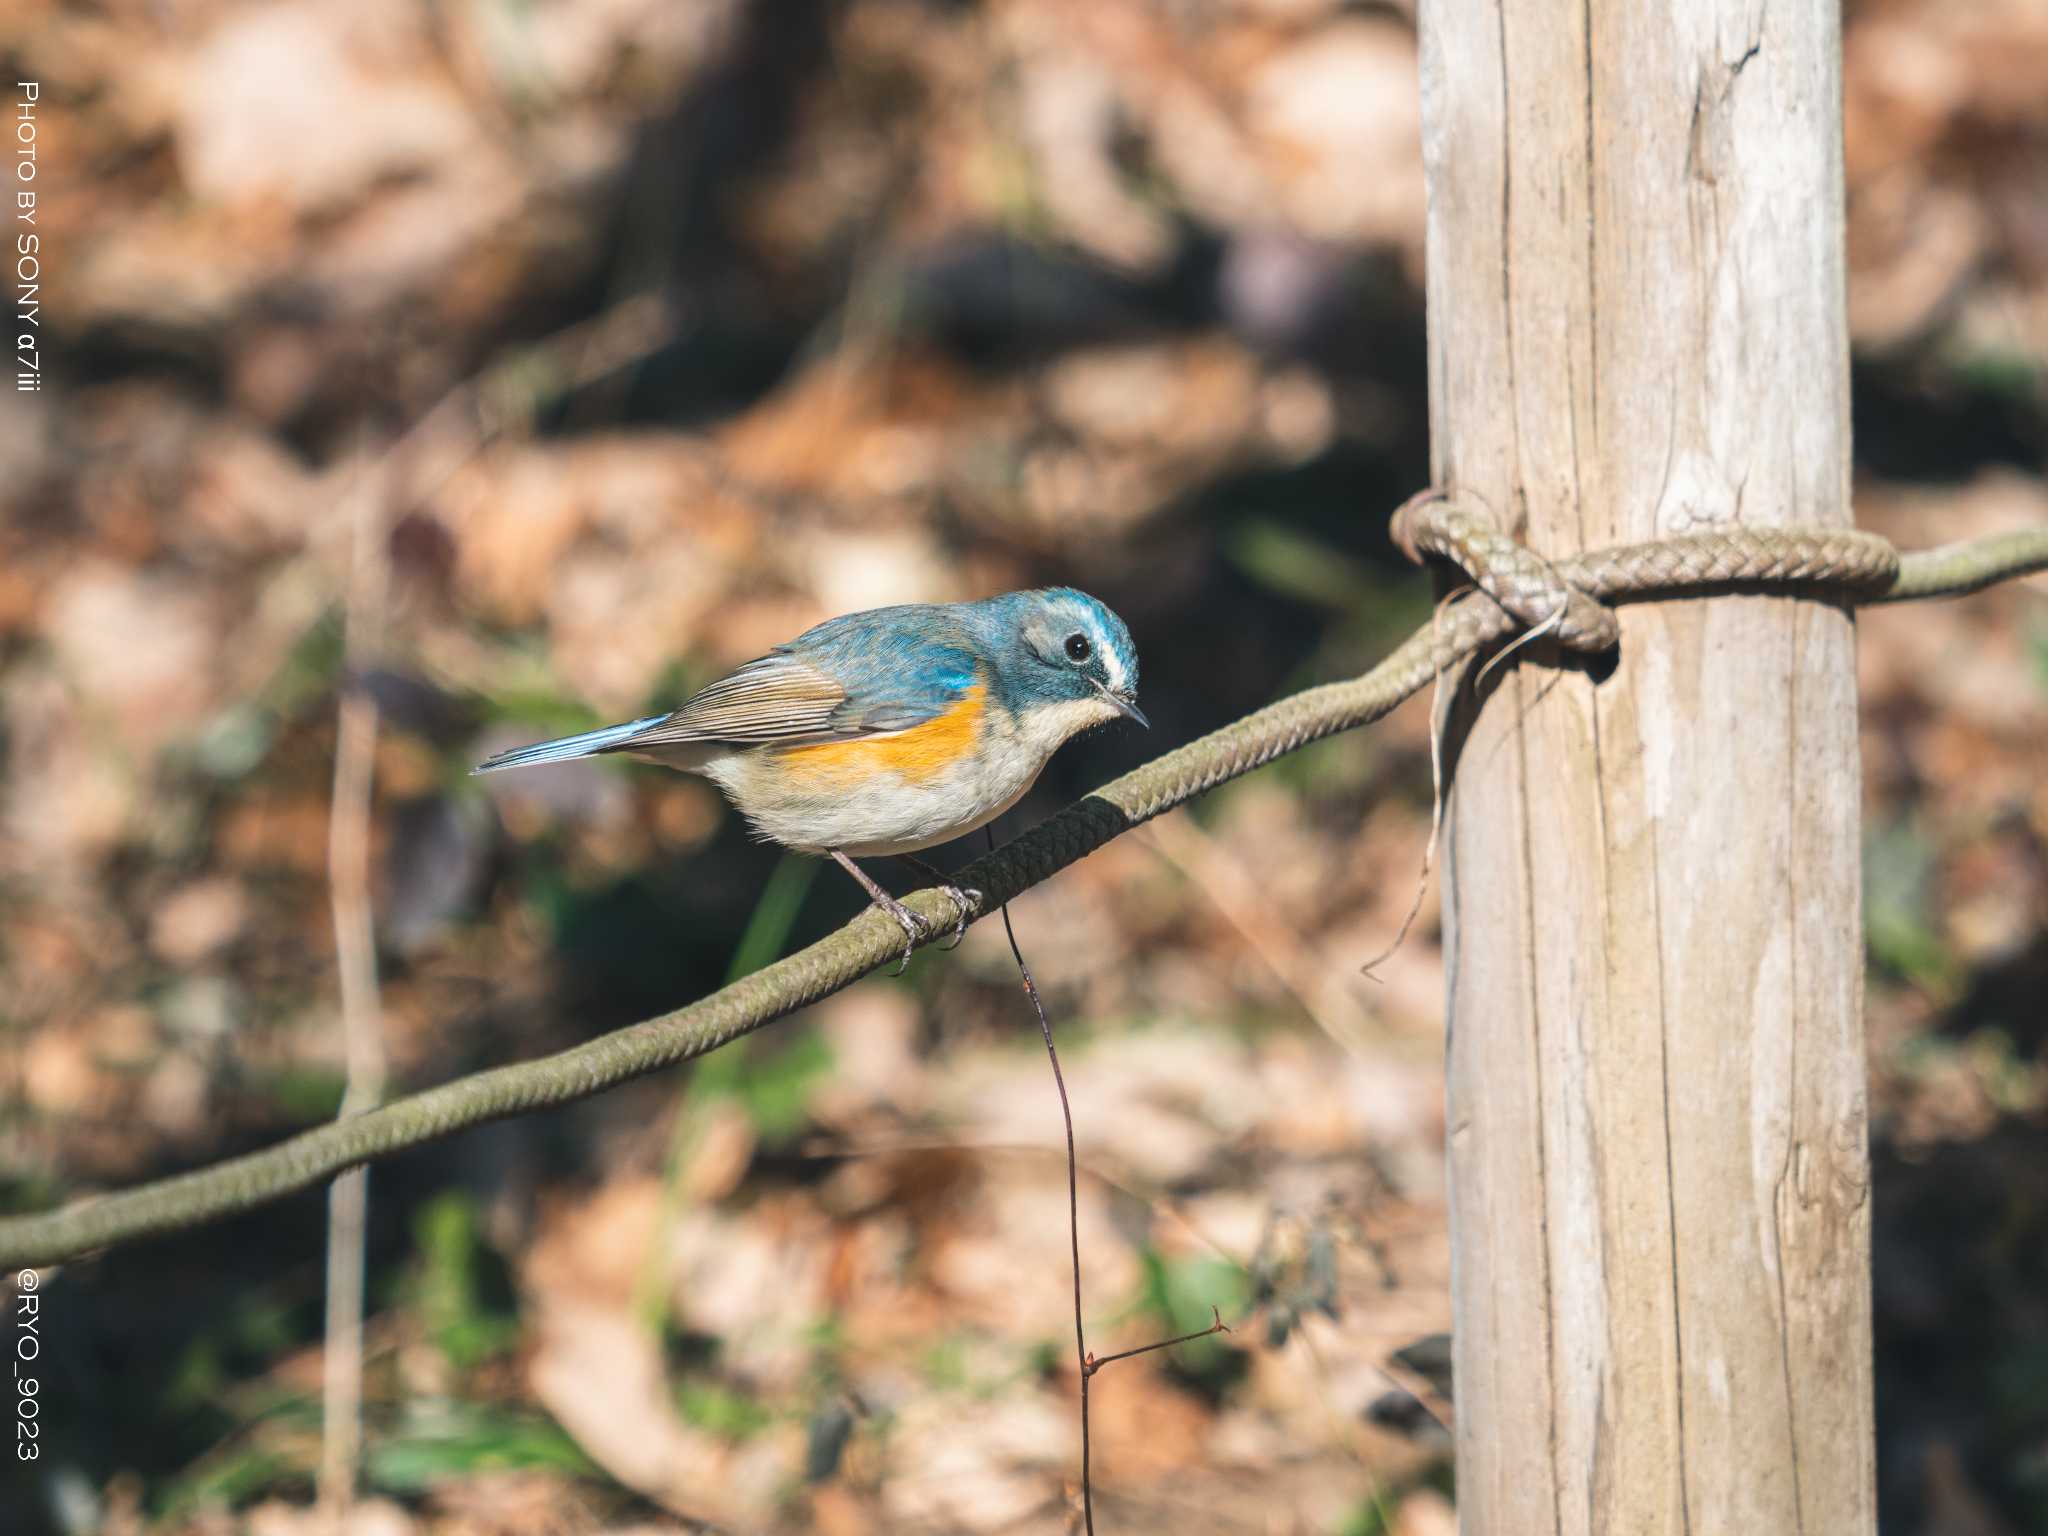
(918, 755)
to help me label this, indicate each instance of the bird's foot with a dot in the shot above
(964, 899)
(915, 929)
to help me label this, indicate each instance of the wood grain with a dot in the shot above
(1660, 1176)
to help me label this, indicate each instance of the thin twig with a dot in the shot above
(1095, 1363)
(1081, 1357)
(355, 946)
(461, 422)
(1436, 795)
(1221, 878)
(1087, 1363)
(1436, 764)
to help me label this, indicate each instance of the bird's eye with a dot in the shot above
(1078, 648)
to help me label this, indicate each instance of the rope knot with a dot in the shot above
(1522, 582)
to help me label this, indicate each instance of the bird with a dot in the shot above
(889, 731)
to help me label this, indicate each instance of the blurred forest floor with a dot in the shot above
(649, 333)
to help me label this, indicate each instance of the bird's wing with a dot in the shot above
(864, 675)
(839, 681)
(778, 698)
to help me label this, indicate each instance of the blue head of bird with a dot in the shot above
(1064, 663)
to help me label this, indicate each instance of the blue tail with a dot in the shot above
(567, 748)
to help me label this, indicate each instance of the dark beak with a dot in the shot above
(1126, 707)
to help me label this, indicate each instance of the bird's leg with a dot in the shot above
(914, 927)
(964, 900)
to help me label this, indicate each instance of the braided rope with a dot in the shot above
(1525, 591)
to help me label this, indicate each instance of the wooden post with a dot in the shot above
(1660, 1212)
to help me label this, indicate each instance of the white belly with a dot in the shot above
(881, 813)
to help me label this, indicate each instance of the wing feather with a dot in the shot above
(775, 699)
(794, 696)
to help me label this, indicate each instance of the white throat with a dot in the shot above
(1048, 727)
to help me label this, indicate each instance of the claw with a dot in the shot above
(964, 901)
(914, 929)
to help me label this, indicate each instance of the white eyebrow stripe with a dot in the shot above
(1112, 663)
